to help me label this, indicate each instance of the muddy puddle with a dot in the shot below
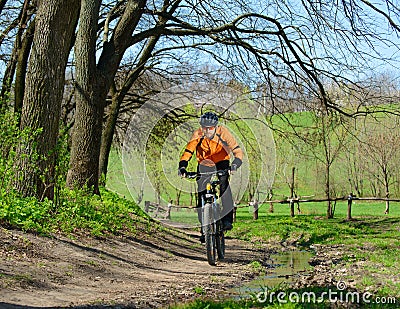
(283, 268)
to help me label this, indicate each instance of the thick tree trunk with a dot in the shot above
(91, 90)
(55, 25)
(85, 148)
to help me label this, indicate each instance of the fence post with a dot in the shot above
(168, 214)
(146, 206)
(349, 202)
(292, 194)
(291, 207)
(255, 214)
(271, 205)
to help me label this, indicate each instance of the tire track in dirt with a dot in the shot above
(142, 272)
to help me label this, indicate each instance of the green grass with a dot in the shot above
(359, 208)
(369, 238)
(314, 228)
(115, 176)
(373, 240)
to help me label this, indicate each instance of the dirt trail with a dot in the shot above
(143, 273)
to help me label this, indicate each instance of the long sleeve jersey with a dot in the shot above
(212, 151)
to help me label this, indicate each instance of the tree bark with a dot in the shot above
(55, 25)
(90, 89)
(22, 64)
(107, 136)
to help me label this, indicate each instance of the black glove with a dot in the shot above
(182, 168)
(236, 163)
(182, 172)
(233, 168)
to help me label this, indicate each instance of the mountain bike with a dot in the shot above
(211, 218)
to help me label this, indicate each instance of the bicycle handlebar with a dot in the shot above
(191, 175)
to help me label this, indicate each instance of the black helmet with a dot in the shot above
(209, 119)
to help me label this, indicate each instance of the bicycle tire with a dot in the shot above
(220, 241)
(209, 234)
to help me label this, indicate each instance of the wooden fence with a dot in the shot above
(157, 210)
(292, 201)
(164, 212)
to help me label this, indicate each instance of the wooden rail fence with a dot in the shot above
(157, 210)
(292, 201)
(164, 212)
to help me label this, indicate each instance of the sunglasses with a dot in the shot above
(208, 128)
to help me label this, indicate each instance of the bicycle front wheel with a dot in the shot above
(220, 241)
(209, 234)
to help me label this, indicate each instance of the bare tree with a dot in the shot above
(324, 139)
(379, 145)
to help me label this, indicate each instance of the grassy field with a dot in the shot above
(371, 241)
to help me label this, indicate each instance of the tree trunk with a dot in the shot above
(291, 185)
(107, 136)
(22, 63)
(91, 90)
(387, 193)
(8, 78)
(55, 25)
(21, 23)
(329, 212)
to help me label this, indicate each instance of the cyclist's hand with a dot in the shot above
(235, 165)
(182, 172)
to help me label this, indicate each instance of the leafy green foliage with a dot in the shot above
(8, 138)
(77, 212)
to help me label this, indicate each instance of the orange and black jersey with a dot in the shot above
(212, 151)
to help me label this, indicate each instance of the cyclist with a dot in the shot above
(213, 144)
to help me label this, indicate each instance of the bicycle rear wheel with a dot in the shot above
(209, 234)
